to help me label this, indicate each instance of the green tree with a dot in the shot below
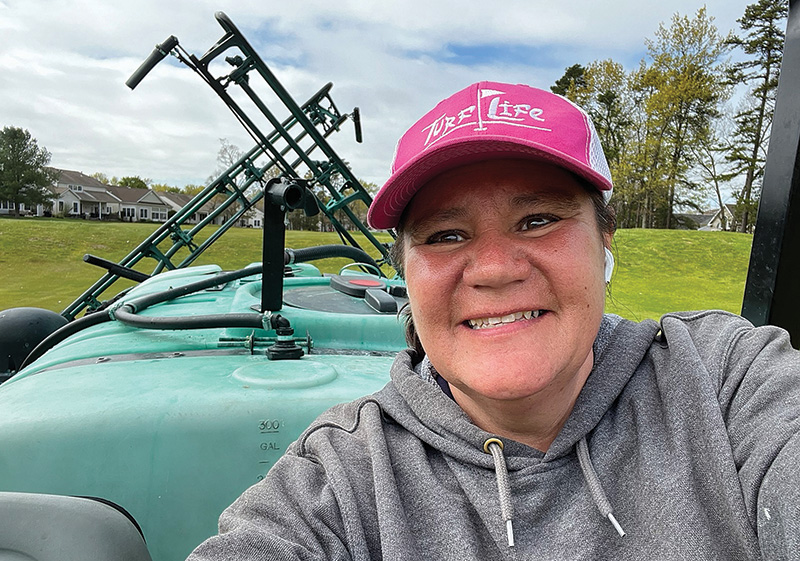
(607, 83)
(679, 92)
(24, 175)
(572, 84)
(134, 182)
(164, 188)
(763, 23)
(192, 189)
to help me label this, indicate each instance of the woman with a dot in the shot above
(524, 423)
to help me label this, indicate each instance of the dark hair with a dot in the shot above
(606, 223)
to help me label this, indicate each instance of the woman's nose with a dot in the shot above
(496, 260)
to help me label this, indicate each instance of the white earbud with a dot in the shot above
(609, 264)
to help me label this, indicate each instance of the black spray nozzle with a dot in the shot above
(356, 116)
(155, 57)
(291, 194)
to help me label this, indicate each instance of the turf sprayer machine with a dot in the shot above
(167, 400)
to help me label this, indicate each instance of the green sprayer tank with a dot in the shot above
(173, 425)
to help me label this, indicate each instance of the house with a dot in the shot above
(80, 195)
(693, 221)
(137, 205)
(176, 201)
(77, 195)
(253, 218)
(715, 223)
(7, 207)
(709, 220)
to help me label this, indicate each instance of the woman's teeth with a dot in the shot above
(483, 323)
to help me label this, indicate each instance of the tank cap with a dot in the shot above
(355, 286)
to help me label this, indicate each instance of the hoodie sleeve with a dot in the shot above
(760, 398)
(290, 515)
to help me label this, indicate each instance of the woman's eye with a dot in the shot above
(448, 236)
(537, 221)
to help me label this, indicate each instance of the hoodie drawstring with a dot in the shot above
(494, 446)
(595, 487)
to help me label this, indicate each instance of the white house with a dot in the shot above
(80, 195)
(176, 201)
(715, 223)
(137, 205)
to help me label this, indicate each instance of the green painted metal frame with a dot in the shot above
(285, 150)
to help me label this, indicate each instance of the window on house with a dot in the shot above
(75, 206)
(75, 188)
(143, 213)
(60, 206)
(128, 212)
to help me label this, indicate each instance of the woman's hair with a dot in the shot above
(606, 223)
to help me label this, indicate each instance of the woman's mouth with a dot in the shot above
(489, 322)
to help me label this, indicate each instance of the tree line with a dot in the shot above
(687, 124)
(684, 127)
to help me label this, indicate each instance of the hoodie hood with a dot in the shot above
(416, 401)
(427, 412)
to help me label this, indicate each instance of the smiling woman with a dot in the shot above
(487, 244)
(524, 417)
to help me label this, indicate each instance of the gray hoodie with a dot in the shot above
(687, 431)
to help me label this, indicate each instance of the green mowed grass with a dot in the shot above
(41, 263)
(669, 270)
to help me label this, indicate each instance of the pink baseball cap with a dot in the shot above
(486, 121)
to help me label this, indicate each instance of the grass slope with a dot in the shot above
(41, 263)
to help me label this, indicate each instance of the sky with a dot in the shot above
(63, 67)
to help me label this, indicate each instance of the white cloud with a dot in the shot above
(63, 66)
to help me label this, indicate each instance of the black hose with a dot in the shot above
(62, 333)
(252, 321)
(325, 251)
(143, 302)
(127, 313)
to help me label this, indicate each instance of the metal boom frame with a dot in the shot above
(283, 151)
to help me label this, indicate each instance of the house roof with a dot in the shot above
(131, 194)
(85, 196)
(179, 200)
(699, 219)
(71, 177)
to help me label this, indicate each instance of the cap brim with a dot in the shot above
(391, 201)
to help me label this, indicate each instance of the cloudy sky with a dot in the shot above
(63, 66)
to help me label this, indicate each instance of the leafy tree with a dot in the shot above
(164, 188)
(24, 175)
(192, 189)
(609, 106)
(571, 83)
(679, 92)
(763, 23)
(134, 182)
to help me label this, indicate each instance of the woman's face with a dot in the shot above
(504, 264)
